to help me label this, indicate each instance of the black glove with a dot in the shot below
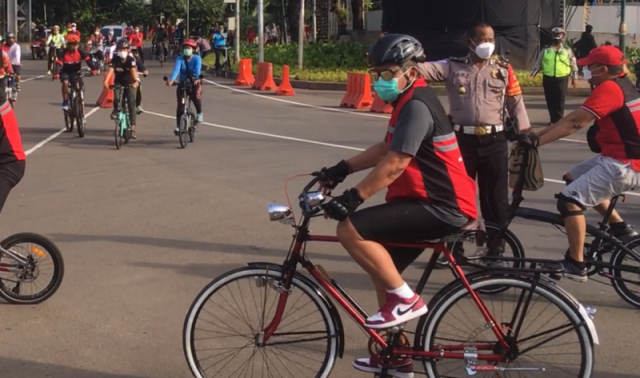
(528, 140)
(339, 208)
(333, 176)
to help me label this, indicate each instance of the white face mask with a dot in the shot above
(485, 50)
(73, 29)
(123, 54)
(110, 33)
(137, 30)
(97, 33)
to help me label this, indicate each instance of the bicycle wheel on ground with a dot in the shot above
(183, 130)
(118, 135)
(224, 324)
(35, 280)
(627, 283)
(80, 116)
(559, 342)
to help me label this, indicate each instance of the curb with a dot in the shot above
(440, 90)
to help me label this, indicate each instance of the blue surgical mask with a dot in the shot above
(187, 52)
(387, 90)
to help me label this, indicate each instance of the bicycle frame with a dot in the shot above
(9, 267)
(358, 314)
(123, 114)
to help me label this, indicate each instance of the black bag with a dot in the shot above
(591, 138)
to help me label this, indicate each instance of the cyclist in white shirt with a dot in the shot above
(13, 51)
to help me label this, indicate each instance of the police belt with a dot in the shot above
(479, 130)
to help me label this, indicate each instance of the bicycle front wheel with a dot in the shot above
(559, 342)
(226, 320)
(625, 275)
(183, 131)
(80, 116)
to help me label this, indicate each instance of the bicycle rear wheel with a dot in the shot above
(559, 315)
(627, 283)
(291, 340)
(42, 256)
(118, 134)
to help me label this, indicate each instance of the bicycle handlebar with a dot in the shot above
(166, 78)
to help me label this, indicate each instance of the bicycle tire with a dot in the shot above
(80, 116)
(617, 259)
(183, 131)
(424, 330)
(67, 122)
(118, 135)
(311, 293)
(192, 128)
(58, 264)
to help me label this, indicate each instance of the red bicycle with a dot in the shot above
(295, 317)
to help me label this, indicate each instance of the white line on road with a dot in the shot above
(276, 136)
(55, 135)
(32, 78)
(273, 98)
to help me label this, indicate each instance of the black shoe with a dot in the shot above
(569, 269)
(622, 233)
(114, 114)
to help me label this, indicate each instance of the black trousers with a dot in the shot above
(486, 160)
(10, 176)
(555, 93)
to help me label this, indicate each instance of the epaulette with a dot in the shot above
(463, 59)
(502, 62)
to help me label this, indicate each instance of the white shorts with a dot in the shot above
(600, 178)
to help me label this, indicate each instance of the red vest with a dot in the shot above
(619, 134)
(436, 174)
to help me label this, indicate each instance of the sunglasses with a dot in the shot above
(386, 75)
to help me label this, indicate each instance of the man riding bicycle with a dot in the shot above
(70, 60)
(5, 68)
(13, 51)
(429, 192)
(96, 41)
(160, 38)
(188, 66)
(56, 43)
(136, 39)
(613, 105)
(141, 68)
(126, 74)
(12, 156)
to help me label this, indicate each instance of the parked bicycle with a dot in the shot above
(188, 123)
(225, 67)
(494, 343)
(24, 259)
(74, 116)
(603, 243)
(123, 124)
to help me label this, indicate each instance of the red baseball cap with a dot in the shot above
(606, 55)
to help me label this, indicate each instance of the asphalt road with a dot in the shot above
(144, 229)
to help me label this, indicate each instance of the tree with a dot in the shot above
(135, 13)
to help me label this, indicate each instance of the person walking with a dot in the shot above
(486, 109)
(585, 44)
(557, 64)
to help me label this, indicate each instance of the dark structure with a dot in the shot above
(520, 25)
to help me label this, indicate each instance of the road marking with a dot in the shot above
(32, 78)
(55, 135)
(276, 136)
(272, 98)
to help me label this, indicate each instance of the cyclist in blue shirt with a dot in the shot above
(178, 34)
(219, 42)
(188, 66)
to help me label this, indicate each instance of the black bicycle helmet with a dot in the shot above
(122, 44)
(395, 49)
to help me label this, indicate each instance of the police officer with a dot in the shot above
(557, 64)
(481, 89)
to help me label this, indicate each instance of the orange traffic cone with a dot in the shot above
(106, 97)
(285, 88)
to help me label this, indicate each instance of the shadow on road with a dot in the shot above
(21, 368)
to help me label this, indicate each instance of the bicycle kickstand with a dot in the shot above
(387, 353)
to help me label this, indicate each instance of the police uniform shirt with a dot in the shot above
(122, 69)
(476, 92)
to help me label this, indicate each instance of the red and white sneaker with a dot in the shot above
(403, 369)
(396, 310)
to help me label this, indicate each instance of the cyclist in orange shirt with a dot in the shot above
(135, 39)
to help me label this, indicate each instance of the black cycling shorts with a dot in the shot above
(10, 175)
(400, 222)
(17, 69)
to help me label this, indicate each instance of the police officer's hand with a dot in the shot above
(341, 207)
(332, 176)
(528, 140)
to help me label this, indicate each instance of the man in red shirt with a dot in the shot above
(429, 194)
(614, 105)
(135, 39)
(12, 156)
